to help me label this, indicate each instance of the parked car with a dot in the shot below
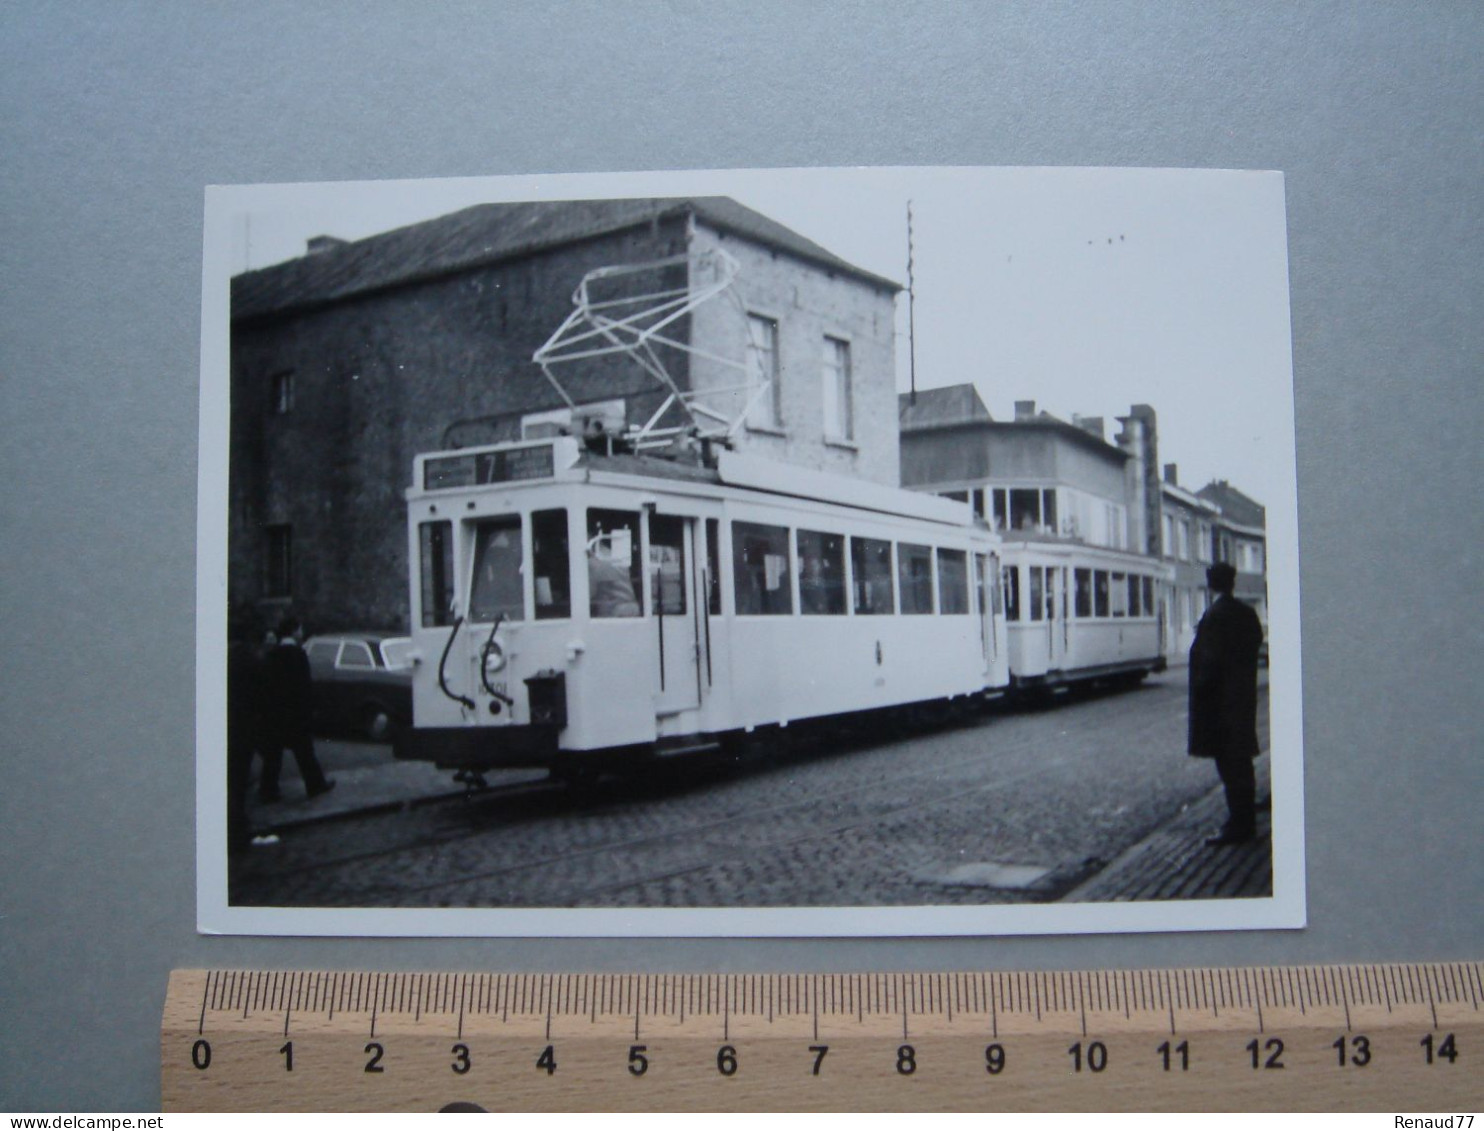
(362, 683)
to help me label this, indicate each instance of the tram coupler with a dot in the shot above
(472, 780)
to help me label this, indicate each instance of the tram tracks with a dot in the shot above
(919, 792)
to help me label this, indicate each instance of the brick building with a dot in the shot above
(1215, 524)
(352, 359)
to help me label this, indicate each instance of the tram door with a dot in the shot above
(675, 611)
(1056, 616)
(985, 570)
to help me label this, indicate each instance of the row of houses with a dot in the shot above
(353, 358)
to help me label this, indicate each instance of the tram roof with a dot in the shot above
(773, 477)
(732, 469)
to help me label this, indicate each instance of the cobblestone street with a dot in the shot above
(1013, 806)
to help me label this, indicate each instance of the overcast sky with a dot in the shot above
(1085, 290)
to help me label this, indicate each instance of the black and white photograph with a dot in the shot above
(794, 552)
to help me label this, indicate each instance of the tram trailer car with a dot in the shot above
(567, 605)
(1079, 614)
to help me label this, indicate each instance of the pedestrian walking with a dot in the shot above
(1223, 700)
(288, 713)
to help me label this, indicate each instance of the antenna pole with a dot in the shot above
(911, 315)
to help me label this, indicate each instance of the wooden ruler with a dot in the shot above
(1394, 1038)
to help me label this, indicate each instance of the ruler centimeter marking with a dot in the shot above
(1376, 1037)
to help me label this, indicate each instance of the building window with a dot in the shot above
(766, 411)
(283, 393)
(1184, 549)
(838, 424)
(279, 572)
(1169, 544)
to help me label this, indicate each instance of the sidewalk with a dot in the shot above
(367, 780)
(1174, 861)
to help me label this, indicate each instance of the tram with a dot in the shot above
(570, 603)
(1077, 613)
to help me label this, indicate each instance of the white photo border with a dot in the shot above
(1284, 909)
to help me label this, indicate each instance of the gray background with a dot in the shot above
(112, 121)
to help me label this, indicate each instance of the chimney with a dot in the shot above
(1091, 424)
(1171, 476)
(1024, 410)
(320, 244)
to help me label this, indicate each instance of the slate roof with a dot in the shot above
(488, 233)
(1234, 505)
(953, 404)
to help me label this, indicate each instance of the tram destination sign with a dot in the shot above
(477, 469)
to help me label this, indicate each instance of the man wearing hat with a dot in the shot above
(1223, 700)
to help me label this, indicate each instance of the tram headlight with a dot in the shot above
(494, 659)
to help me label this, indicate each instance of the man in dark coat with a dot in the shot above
(287, 707)
(1223, 700)
(243, 734)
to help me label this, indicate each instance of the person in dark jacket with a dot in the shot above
(1223, 700)
(287, 706)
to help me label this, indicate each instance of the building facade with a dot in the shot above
(352, 359)
(1218, 523)
(1037, 472)
(1240, 537)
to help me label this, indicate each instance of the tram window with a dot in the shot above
(713, 567)
(1083, 579)
(1012, 593)
(1048, 509)
(1037, 603)
(957, 496)
(821, 573)
(497, 571)
(953, 582)
(666, 564)
(435, 554)
(614, 577)
(552, 564)
(1133, 595)
(761, 582)
(1118, 595)
(997, 595)
(978, 502)
(1001, 509)
(1100, 592)
(870, 562)
(1148, 585)
(915, 574)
